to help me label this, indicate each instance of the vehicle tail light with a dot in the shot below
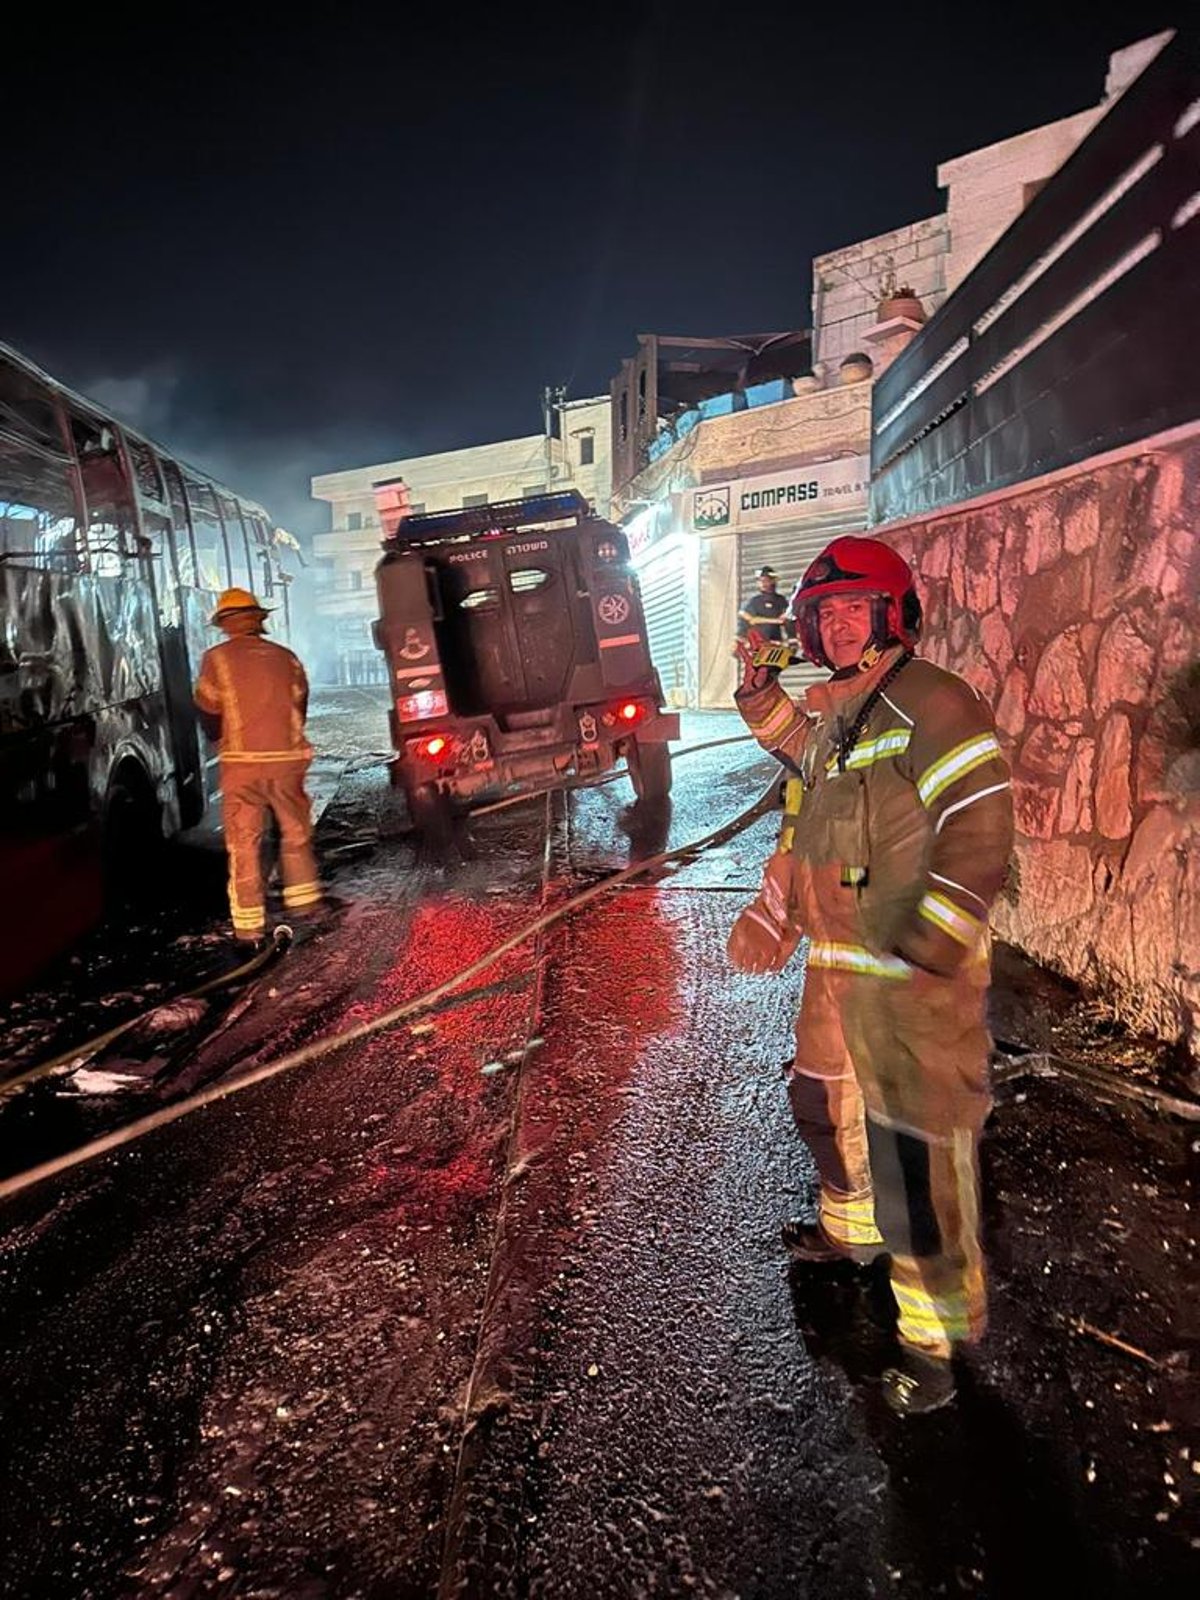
(625, 714)
(429, 703)
(436, 747)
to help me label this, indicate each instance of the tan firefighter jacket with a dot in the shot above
(900, 843)
(252, 696)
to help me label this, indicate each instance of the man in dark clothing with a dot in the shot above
(766, 612)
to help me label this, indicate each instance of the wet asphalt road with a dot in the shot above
(497, 1306)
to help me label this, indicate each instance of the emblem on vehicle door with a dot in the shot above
(612, 608)
(414, 647)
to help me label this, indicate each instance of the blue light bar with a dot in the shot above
(496, 517)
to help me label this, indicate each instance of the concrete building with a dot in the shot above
(576, 453)
(769, 473)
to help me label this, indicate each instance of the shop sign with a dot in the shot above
(781, 496)
(645, 529)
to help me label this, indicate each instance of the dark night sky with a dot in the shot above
(291, 241)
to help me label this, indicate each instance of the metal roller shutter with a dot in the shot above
(790, 550)
(662, 586)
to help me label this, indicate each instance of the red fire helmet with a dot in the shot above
(859, 566)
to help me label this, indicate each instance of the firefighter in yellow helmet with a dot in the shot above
(252, 699)
(895, 839)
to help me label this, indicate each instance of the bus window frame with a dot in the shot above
(242, 518)
(226, 497)
(202, 482)
(83, 548)
(169, 465)
(262, 545)
(75, 412)
(80, 559)
(160, 506)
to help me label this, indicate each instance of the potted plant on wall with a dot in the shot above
(898, 300)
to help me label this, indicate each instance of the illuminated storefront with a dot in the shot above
(697, 554)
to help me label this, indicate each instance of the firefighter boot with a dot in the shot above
(808, 1241)
(917, 1382)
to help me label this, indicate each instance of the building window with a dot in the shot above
(417, 509)
(355, 577)
(475, 500)
(533, 488)
(587, 450)
(354, 521)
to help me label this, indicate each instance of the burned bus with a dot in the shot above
(111, 552)
(517, 654)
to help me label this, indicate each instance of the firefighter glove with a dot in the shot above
(754, 676)
(763, 938)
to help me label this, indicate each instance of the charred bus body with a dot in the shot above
(111, 552)
(517, 654)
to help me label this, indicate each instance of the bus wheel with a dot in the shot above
(133, 840)
(649, 770)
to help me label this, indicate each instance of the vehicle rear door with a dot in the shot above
(480, 650)
(540, 599)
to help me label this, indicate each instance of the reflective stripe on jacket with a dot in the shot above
(258, 691)
(903, 843)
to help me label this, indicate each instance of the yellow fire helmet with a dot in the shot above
(237, 600)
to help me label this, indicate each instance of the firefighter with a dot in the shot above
(252, 699)
(766, 611)
(896, 836)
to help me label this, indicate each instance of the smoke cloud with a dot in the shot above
(192, 419)
(200, 424)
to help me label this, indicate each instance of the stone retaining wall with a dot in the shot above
(1074, 606)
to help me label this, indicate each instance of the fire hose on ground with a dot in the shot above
(430, 1000)
(282, 938)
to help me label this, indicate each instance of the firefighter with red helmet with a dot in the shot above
(896, 837)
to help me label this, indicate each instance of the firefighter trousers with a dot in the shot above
(889, 1090)
(829, 1112)
(251, 792)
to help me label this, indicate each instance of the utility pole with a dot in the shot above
(552, 400)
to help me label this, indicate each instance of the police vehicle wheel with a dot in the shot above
(649, 770)
(430, 814)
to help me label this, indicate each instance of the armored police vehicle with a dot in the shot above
(517, 654)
